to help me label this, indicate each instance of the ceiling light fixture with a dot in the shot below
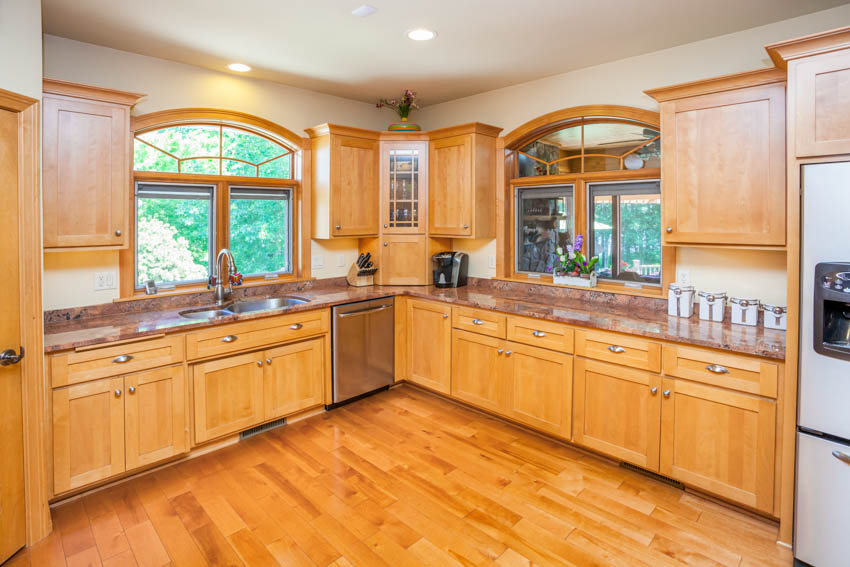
(239, 67)
(421, 34)
(364, 10)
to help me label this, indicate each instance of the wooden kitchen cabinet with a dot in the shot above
(719, 441)
(404, 187)
(86, 163)
(402, 260)
(294, 378)
(478, 375)
(618, 412)
(88, 433)
(429, 344)
(462, 181)
(540, 388)
(155, 425)
(228, 395)
(345, 181)
(723, 160)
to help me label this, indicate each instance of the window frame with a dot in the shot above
(549, 189)
(289, 214)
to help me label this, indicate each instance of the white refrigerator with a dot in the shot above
(822, 518)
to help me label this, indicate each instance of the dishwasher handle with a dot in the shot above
(364, 311)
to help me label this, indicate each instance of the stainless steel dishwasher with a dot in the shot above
(363, 349)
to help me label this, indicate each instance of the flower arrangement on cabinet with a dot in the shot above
(574, 267)
(402, 105)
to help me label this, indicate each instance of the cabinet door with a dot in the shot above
(155, 416)
(228, 395)
(429, 344)
(618, 412)
(723, 168)
(404, 187)
(478, 372)
(720, 441)
(354, 186)
(822, 89)
(294, 378)
(85, 173)
(540, 388)
(450, 191)
(404, 260)
(88, 433)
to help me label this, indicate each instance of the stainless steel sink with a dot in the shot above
(282, 302)
(205, 313)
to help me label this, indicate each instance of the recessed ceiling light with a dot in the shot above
(364, 10)
(239, 67)
(421, 34)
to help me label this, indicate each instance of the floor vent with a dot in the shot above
(260, 428)
(655, 475)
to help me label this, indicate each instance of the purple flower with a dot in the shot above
(579, 242)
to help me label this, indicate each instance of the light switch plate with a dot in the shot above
(340, 260)
(318, 261)
(105, 280)
(491, 261)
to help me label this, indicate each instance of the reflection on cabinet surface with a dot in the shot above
(429, 345)
(86, 165)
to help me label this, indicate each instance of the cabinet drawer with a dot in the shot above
(618, 349)
(545, 334)
(252, 334)
(740, 373)
(479, 321)
(85, 365)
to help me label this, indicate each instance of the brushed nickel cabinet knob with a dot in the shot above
(669, 229)
(118, 232)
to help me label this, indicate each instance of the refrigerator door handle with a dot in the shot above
(843, 457)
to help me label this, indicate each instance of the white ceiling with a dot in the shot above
(482, 44)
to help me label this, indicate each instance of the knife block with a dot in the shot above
(358, 281)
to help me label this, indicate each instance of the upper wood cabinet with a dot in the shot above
(345, 181)
(404, 187)
(818, 91)
(462, 187)
(723, 160)
(86, 164)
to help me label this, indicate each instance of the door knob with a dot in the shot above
(386, 243)
(259, 363)
(466, 226)
(337, 227)
(445, 315)
(117, 393)
(669, 229)
(132, 389)
(500, 351)
(118, 232)
(508, 352)
(269, 361)
(9, 356)
(653, 391)
(666, 393)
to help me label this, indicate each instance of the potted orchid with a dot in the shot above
(402, 105)
(574, 267)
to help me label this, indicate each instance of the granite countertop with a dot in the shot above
(72, 328)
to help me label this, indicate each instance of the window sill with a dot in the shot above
(201, 288)
(608, 287)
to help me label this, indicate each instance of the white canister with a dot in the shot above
(712, 305)
(680, 300)
(774, 316)
(745, 311)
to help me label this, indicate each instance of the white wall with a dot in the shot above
(69, 276)
(20, 47)
(759, 274)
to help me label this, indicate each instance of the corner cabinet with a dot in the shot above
(723, 160)
(345, 181)
(462, 182)
(86, 163)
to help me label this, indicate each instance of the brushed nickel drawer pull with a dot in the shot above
(843, 457)
(717, 369)
(477, 322)
(540, 334)
(228, 339)
(122, 359)
(616, 349)
(295, 326)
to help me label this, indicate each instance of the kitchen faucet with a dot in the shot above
(216, 280)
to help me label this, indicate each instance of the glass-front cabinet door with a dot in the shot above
(404, 187)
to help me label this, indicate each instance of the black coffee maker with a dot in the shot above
(832, 309)
(450, 268)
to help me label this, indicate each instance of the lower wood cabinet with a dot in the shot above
(540, 388)
(294, 378)
(618, 412)
(720, 441)
(429, 344)
(478, 375)
(105, 427)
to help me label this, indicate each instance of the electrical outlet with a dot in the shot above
(491, 261)
(318, 261)
(340, 260)
(683, 277)
(105, 280)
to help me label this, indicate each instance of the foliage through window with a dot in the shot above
(260, 228)
(212, 149)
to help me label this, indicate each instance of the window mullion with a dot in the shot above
(616, 268)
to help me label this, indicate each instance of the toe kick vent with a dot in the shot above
(655, 475)
(261, 428)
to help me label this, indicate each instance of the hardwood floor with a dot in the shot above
(401, 478)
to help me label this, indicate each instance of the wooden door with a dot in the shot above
(540, 388)
(822, 89)
(12, 521)
(228, 395)
(294, 378)
(404, 260)
(479, 373)
(723, 168)
(618, 412)
(450, 191)
(429, 344)
(88, 433)
(404, 187)
(155, 425)
(85, 172)
(720, 441)
(354, 186)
